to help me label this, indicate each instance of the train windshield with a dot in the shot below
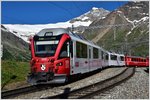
(45, 48)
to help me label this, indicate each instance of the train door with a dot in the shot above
(72, 64)
(118, 63)
(106, 59)
(102, 57)
(90, 57)
(63, 62)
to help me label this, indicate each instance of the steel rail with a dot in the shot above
(14, 92)
(25, 90)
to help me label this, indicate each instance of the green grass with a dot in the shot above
(10, 69)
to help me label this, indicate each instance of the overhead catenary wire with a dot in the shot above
(102, 26)
(61, 8)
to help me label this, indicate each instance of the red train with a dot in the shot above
(133, 61)
(57, 54)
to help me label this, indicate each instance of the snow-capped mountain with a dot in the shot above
(132, 37)
(24, 31)
(94, 14)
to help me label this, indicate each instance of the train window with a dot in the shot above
(49, 34)
(113, 57)
(65, 50)
(102, 53)
(81, 50)
(132, 59)
(141, 60)
(89, 53)
(95, 53)
(45, 48)
(122, 58)
(106, 56)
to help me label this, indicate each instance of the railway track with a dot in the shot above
(24, 90)
(91, 90)
(15, 92)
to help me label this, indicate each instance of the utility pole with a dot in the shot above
(72, 28)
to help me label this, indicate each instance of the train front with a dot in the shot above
(50, 51)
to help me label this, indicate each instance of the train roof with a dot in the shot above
(74, 36)
(113, 53)
(53, 31)
(135, 56)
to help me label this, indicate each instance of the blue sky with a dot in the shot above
(44, 12)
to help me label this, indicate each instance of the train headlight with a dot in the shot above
(43, 67)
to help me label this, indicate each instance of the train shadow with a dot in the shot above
(146, 70)
(65, 94)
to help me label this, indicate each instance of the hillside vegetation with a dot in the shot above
(12, 71)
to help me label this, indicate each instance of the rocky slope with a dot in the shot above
(14, 48)
(131, 37)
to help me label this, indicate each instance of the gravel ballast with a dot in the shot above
(137, 87)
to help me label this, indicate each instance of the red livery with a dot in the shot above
(132, 61)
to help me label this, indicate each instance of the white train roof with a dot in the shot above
(54, 31)
(113, 53)
(74, 36)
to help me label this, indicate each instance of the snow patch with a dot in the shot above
(84, 18)
(24, 31)
(119, 11)
(103, 17)
(94, 8)
(135, 22)
(144, 18)
(135, 7)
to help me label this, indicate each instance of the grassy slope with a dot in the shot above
(11, 68)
